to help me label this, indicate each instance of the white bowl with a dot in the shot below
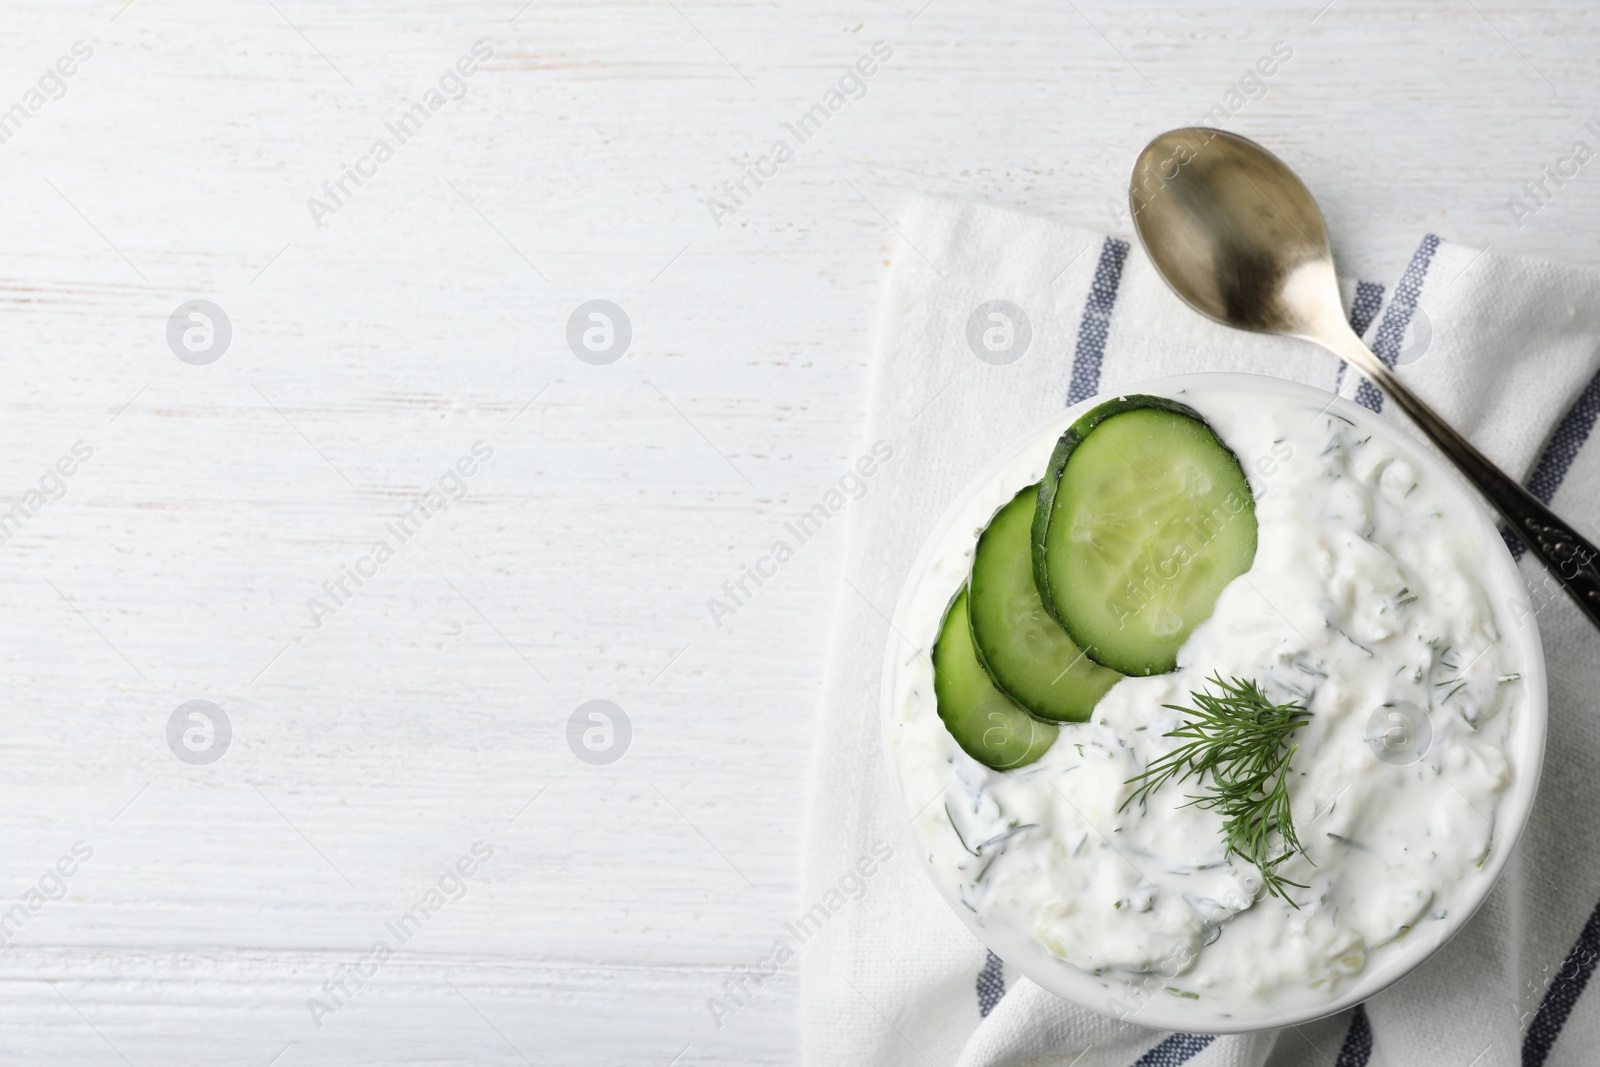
(1525, 743)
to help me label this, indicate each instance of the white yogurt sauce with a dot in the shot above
(1365, 590)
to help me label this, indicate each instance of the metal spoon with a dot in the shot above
(1241, 240)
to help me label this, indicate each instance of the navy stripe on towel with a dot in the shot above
(1562, 995)
(1559, 452)
(1357, 1047)
(1392, 331)
(1368, 299)
(1096, 324)
(1176, 1049)
(1513, 543)
(1564, 444)
(991, 984)
(1364, 308)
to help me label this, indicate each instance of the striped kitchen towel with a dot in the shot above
(1506, 349)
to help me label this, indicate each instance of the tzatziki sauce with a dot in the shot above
(1367, 602)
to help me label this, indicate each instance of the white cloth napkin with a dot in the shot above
(1506, 349)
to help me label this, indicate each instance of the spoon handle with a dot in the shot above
(1573, 561)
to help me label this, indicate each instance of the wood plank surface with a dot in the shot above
(377, 339)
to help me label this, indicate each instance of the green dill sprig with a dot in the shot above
(1240, 741)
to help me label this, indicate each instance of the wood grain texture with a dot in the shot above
(429, 313)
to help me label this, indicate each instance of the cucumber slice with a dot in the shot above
(1144, 516)
(987, 726)
(1027, 654)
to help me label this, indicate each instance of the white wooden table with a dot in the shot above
(428, 311)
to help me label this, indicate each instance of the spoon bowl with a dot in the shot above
(1229, 225)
